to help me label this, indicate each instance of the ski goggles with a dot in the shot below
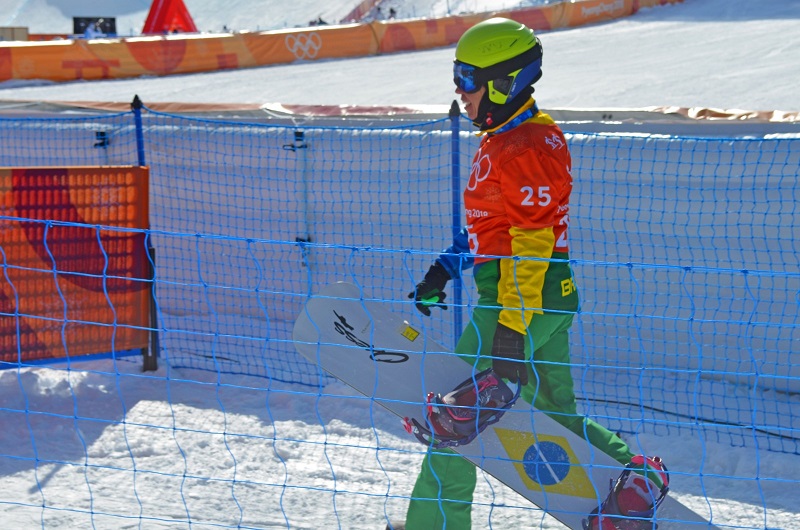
(464, 77)
(502, 76)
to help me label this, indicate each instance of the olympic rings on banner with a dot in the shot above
(304, 45)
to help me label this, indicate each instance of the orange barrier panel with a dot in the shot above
(70, 289)
(322, 42)
(423, 34)
(180, 54)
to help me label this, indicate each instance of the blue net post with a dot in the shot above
(136, 107)
(150, 354)
(455, 117)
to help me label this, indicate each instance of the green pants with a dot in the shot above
(442, 495)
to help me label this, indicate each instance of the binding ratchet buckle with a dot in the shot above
(458, 417)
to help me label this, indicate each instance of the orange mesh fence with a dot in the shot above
(180, 54)
(71, 283)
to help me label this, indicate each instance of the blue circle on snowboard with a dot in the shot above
(546, 463)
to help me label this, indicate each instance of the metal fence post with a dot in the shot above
(136, 107)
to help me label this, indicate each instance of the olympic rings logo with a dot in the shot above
(304, 45)
(479, 172)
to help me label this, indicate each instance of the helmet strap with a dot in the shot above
(491, 115)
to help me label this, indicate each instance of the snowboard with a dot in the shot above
(381, 355)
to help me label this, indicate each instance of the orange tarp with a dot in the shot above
(69, 286)
(182, 53)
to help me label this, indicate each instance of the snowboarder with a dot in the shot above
(517, 207)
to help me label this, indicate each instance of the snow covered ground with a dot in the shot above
(101, 445)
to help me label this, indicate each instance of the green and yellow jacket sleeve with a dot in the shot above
(522, 280)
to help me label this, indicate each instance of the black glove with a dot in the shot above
(508, 350)
(430, 291)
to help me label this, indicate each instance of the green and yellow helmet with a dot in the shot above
(500, 53)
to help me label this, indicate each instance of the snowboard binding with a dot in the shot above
(459, 416)
(633, 498)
